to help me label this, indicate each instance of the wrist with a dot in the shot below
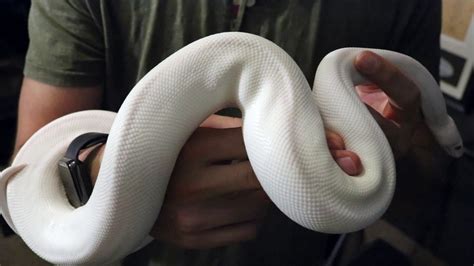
(74, 168)
(93, 160)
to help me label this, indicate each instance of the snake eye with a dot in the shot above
(458, 147)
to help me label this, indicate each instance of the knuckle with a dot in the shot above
(186, 221)
(250, 233)
(193, 147)
(248, 177)
(184, 190)
(189, 150)
(334, 140)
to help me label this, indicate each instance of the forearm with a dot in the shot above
(42, 103)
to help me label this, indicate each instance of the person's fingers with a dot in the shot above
(218, 237)
(334, 140)
(231, 178)
(211, 145)
(401, 114)
(218, 180)
(249, 205)
(403, 93)
(385, 124)
(367, 89)
(398, 137)
(348, 161)
(170, 230)
(372, 95)
(220, 121)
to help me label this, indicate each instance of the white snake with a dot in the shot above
(283, 129)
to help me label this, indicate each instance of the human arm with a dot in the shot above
(63, 66)
(210, 202)
(199, 206)
(41, 103)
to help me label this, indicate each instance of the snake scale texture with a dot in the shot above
(283, 129)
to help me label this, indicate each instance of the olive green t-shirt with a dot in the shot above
(114, 43)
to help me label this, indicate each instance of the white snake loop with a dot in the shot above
(283, 129)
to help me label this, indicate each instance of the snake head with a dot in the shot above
(449, 138)
(5, 176)
(455, 150)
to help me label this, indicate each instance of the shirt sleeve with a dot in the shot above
(66, 45)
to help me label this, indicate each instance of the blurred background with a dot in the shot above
(447, 238)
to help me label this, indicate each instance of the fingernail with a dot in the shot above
(368, 63)
(348, 165)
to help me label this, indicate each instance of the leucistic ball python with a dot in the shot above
(283, 130)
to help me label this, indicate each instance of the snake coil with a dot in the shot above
(283, 129)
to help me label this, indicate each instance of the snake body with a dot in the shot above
(283, 129)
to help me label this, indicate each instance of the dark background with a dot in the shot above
(13, 45)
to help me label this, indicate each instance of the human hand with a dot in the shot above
(212, 202)
(395, 103)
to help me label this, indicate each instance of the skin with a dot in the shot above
(210, 203)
